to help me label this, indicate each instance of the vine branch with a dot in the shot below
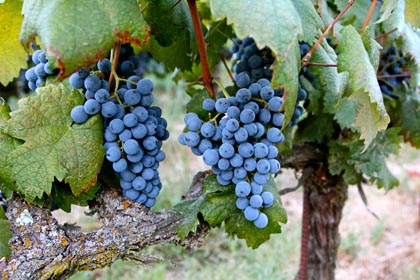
(369, 15)
(44, 249)
(207, 79)
(308, 56)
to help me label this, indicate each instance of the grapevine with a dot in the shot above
(329, 90)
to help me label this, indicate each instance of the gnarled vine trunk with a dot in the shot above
(327, 196)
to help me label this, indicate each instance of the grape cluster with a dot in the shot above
(256, 64)
(134, 129)
(239, 142)
(37, 75)
(391, 72)
(3, 201)
(251, 60)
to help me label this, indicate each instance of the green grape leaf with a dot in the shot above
(308, 129)
(338, 155)
(174, 56)
(54, 147)
(5, 235)
(12, 55)
(372, 162)
(310, 19)
(373, 48)
(196, 104)
(77, 34)
(412, 12)
(173, 39)
(406, 115)
(63, 196)
(7, 146)
(217, 205)
(167, 19)
(284, 27)
(371, 115)
(243, 229)
(189, 211)
(216, 37)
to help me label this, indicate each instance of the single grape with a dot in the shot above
(261, 221)
(109, 109)
(256, 201)
(120, 165)
(78, 114)
(211, 157)
(116, 126)
(130, 120)
(132, 97)
(145, 86)
(131, 146)
(113, 154)
(92, 107)
(251, 213)
(242, 189)
(242, 203)
(92, 83)
(209, 104)
(242, 80)
(104, 65)
(267, 198)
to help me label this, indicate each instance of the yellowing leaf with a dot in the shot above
(77, 34)
(12, 54)
(412, 12)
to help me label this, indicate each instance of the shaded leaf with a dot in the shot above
(196, 104)
(7, 146)
(5, 235)
(77, 35)
(406, 115)
(12, 55)
(54, 147)
(217, 205)
(63, 196)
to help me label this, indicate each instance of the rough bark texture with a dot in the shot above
(327, 196)
(44, 249)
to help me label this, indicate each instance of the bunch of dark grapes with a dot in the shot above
(256, 64)
(134, 129)
(239, 142)
(37, 75)
(391, 72)
(3, 201)
(251, 60)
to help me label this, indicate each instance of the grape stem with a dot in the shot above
(308, 56)
(369, 15)
(207, 79)
(405, 74)
(320, 64)
(219, 85)
(116, 56)
(227, 68)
